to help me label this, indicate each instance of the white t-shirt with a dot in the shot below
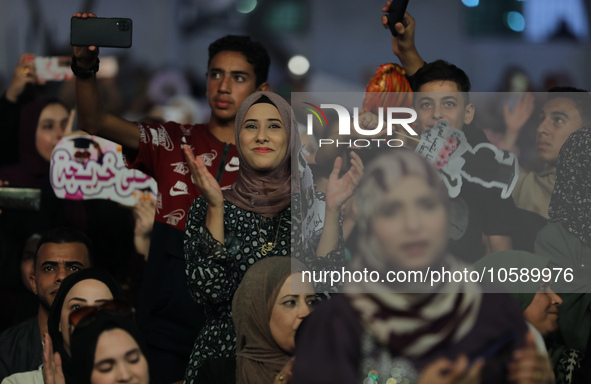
(30, 377)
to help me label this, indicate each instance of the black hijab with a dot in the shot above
(84, 341)
(31, 170)
(53, 322)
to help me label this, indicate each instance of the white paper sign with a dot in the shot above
(449, 151)
(88, 167)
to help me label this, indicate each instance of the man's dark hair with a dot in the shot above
(65, 235)
(580, 97)
(441, 70)
(254, 53)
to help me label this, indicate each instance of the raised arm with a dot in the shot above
(404, 44)
(92, 116)
(339, 190)
(23, 74)
(210, 189)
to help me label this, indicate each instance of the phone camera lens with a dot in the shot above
(123, 25)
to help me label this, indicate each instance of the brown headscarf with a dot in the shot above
(258, 357)
(266, 192)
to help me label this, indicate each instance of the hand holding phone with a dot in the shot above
(100, 31)
(395, 15)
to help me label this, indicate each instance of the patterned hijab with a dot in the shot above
(266, 192)
(259, 359)
(408, 324)
(53, 322)
(571, 198)
(32, 170)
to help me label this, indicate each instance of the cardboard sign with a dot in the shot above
(88, 167)
(449, 151)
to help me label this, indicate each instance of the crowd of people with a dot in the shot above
(206, 284)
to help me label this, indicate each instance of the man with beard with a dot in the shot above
(61, 252)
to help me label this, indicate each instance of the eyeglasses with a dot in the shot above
(86, 315)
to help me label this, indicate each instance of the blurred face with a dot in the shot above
(54, 263)
(118, 359)
(28, 261)
(50, 129)
(559, 118)
(263, 138)
(230, 79)
(542, 313)
(288, 312)
(441, 100)
(411, 224)
(86, 292)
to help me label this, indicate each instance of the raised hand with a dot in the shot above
(340, 189)
(529, 366)
(515, 119)
(23, 74)
(403, 45)
(85, 56)
(211, 191)
(52, 364)
(203, 179)
(368, 121)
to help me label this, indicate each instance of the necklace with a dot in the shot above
(268, 246)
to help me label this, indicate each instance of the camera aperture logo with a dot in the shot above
(392, 116)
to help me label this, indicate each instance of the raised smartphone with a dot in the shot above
(396, 14)
(101, 32)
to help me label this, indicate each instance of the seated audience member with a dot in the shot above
(540, 306)
(409, 330)
(266, 314)
(442, 94)
(60, 253)
(88, 287)
(565, 111)
(28, 302)
(567, 242)
(107, 346)
(257, 217)
(39, 128)
(15, 287)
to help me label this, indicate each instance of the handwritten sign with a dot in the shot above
(87, 167)
(449, 151)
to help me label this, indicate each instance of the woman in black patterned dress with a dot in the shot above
(257, 217)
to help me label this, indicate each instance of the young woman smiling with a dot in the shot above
(258, 217)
